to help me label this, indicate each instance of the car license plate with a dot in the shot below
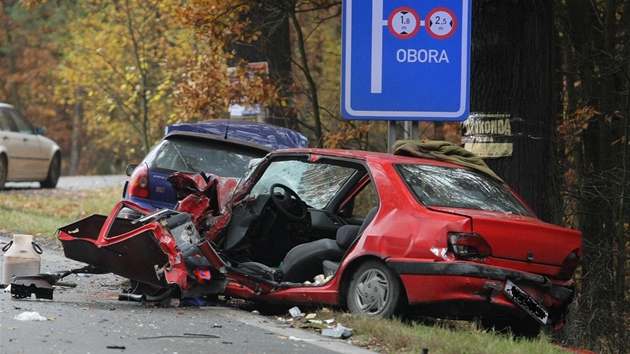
(526, 302)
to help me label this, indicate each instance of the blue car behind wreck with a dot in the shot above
(223, 147)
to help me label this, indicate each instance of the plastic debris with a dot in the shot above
(295, 311)
(29, 316)
(337, 332)
(321, 279)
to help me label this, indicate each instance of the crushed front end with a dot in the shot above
(158, 250)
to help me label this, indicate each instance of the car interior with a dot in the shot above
(279, 237)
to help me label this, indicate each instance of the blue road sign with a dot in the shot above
(406, 60)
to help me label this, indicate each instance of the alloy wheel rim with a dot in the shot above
(372, 292)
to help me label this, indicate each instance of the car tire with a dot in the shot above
(53, 173)
(4, 169)
(375, 291)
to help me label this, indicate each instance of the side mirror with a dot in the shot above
(129, 169)
(40, 131)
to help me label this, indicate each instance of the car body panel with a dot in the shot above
(450, 261)
(29, 154)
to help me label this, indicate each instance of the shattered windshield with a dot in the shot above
(459, 188)
(315, 183)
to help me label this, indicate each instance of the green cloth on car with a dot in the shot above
(445, 151)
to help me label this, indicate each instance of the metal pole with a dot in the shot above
(391, 135)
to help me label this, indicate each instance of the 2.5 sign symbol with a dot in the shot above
(441, 23)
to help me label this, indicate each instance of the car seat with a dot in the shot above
(305, 261)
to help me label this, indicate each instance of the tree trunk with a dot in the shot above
(512, 75)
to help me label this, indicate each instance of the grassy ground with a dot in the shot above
(436, 336)
(42, 212)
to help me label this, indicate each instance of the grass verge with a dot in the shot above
(436, 336)
(41, 212)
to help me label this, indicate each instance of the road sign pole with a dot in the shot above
(391, 135)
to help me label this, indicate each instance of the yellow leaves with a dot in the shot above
(117, 75)
(571, 176)
(30, 4)
(345, 134)
(155, 98)
(575, 125)
(618, 141)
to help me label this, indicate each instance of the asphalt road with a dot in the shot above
(77, 182)
(90, 319)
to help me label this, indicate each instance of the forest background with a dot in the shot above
(106, 77)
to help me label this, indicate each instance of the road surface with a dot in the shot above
(77, 182)
(90, 319)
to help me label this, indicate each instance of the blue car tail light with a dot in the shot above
(139, 182)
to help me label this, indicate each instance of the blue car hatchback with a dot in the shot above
(222, 147)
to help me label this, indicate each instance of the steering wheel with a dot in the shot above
(288, 202)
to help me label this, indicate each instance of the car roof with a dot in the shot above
(373, 157)
(211, 137)
(260, 133)
(370, 157)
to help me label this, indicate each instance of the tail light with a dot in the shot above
(570, 264)
(467, 246)
(139, 182)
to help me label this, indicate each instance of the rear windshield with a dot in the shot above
(201, 155)
(459, 188)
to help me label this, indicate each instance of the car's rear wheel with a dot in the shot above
(53, 173)
(3, 171)
(375, 290)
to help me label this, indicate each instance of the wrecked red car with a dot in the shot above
(425, 229)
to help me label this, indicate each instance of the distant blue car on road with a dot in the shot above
(222, 147)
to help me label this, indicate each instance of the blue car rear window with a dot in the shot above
(200, 155)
